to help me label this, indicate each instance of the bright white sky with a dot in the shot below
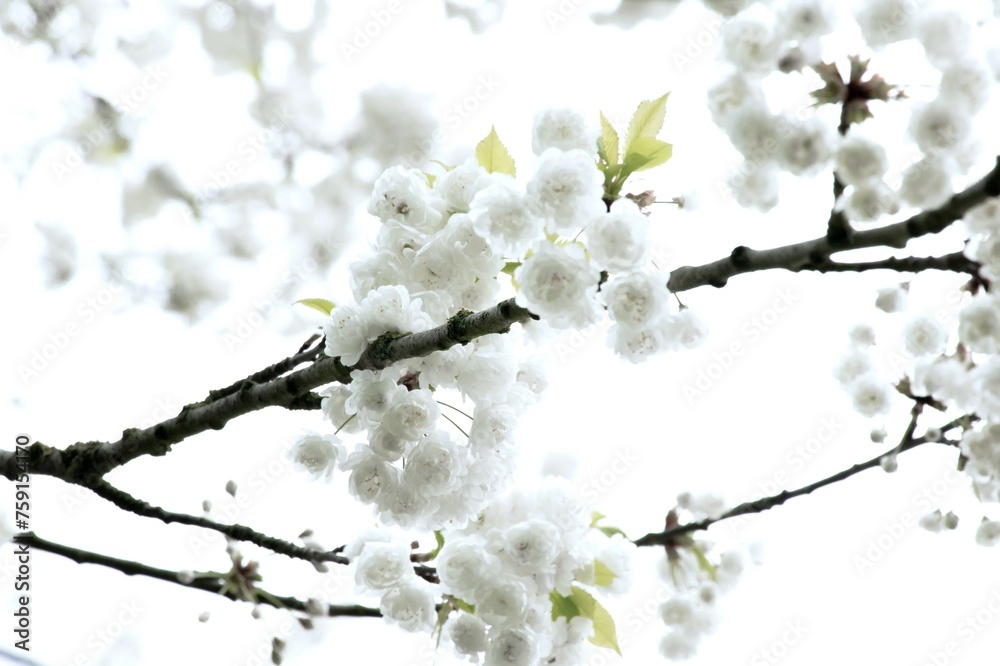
(132, 365)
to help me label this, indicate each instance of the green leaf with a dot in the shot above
(596, 517)
(446, 167)
(430, 179)
(510, 267)
(493, 156)
(607, 144)
(609, 531)
(439, 538)
(321, 304)
(603, 575)
(647, 121)
(703, 562)
(442, 618)
(605, 634)
(646, 153)
(563, 606)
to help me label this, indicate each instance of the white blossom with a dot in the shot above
(869, 201)
(967, 83)
(870, 395)
(979, 324)
(570, 188)
(806, 19)
(462, 563)
(885, 21)
(531, 547)
(409, 606)
(985, 379)
(924, 335)
(755, 185)
(458, 186)
(619, 239)
(436, 465)
(559, 285)
(317, 454)
(502, 600)
(988, 533)
(411, 414)
(730, 94)
(564, 129)
(932, 522)
(940, 127)
(334, 406)
(468, 634)
(983, 218)
(508, 218)
(927, 183)
(402, 194)
(805, 147)
(859, 160)
(891, 299)
(945, 34)
(381, 566)
(986, 251)
(512, 647)
(862, 335)
(750, 40)
(637, 299)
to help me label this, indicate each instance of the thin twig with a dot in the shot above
(213, 584)
(907, 443)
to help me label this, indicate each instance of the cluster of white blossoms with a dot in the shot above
(443, 243)
(870, 394)
(961, 376)
(764, 39)
(410, 468)
(518, 572)
(525, 553)
(511, 581)
(695, 580)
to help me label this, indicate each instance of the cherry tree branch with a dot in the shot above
(907, 443)
(838, 229)
(802, 256)
(213, 582)
(272, 371)
(955, 262)
(127, 502)
(88, 460)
